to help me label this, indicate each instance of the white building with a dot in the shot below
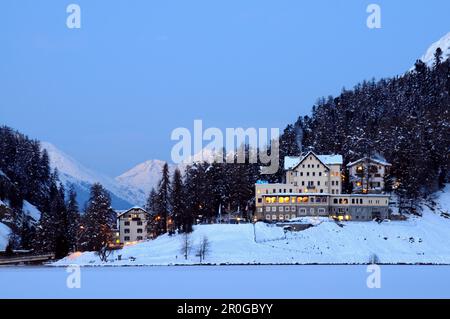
(314, 188)
(367, 175)
(133, 225)
(313, 173)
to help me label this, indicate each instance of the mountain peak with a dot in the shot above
(443, 43)
(72, 172)
(144, 176)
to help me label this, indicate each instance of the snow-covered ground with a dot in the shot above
(418, 240)
(4, 236)
(31, 211)
(314, 281)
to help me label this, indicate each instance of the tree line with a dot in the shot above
(26, 177)
(406, 119)
(202, 194)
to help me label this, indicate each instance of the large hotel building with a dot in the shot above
(314, 188)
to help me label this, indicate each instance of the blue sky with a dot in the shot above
(111, 92)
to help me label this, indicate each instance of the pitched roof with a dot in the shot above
(122, 212)
(291, 162)
(372, 159)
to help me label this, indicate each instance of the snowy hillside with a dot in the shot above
(418, 240)
(4, 236)
(444, 44)
(31, 211)
(144, 176)
(73, 172)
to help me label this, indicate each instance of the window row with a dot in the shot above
(127, 223)
(127, 238)
(127, 230)
(293, 199)
(292, 209)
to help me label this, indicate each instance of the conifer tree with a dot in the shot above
(163, 209)
(98, 221)
(73, 219)
(177, 200)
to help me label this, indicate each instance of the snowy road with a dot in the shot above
(226, 282)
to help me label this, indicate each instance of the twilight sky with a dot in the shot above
(111, 93)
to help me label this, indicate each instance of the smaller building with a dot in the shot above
(133, 225)
(367, 175)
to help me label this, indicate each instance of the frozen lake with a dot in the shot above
(324, 281)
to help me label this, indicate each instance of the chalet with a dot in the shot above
(367, 175)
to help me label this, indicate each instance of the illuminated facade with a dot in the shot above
(133, 225)
(367, 175)
(314, 188)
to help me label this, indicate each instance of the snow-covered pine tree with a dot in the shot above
(163, 209)
(98, 220)
(151, 208)
(52, 228)
(177, 201)
(73, 219)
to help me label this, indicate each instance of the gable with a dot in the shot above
(292, 162)
(133, 210)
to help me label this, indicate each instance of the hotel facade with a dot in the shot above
(133, 225)
(314, 188)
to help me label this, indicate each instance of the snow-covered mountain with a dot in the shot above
(144, 176)
(444, 44)
(73, 172)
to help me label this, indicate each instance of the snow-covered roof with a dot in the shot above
(290, 162)
(377, 160)
(331, 159)
(122, 212)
